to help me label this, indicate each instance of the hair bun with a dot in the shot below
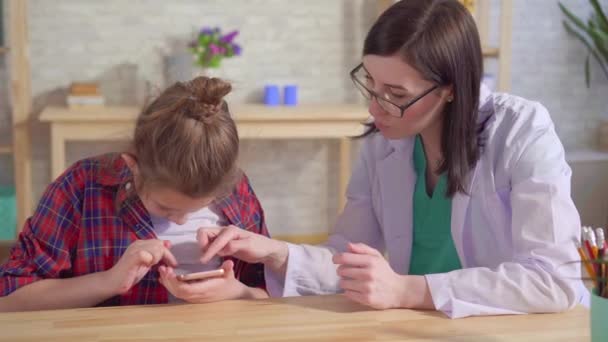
(208, 94)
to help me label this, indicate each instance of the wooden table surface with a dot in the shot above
(316, 318)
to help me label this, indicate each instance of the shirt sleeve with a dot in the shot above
(43, 248)
(252, 216)
(310, 269)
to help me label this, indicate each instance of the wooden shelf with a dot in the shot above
(241, 112)
(3, 49)
(253, 121)
(490, 51)
(6, 149)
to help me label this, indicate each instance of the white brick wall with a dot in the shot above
(312, 43)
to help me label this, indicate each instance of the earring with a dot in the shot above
(450, 99)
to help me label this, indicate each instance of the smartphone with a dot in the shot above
(201, 275)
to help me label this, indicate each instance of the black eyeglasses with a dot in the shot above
(390, 107)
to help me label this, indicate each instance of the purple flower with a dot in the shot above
(236, 49)
(214, 49)
(206, 30)
(211, 46)
(229, 37)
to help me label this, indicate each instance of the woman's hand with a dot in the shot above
(243, 245)
(367, 278)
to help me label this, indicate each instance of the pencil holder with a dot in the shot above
(599, 312)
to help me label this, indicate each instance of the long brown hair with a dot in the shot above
(440, 39)
(186, 140)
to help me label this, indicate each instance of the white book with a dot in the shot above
(85, 100)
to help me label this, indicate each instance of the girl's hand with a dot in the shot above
(137, 260)
(208, 290)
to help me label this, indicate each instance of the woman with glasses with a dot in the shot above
(467, 192)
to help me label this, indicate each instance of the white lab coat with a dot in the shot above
(514, 234)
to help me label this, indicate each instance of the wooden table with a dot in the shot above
(320, 318)
(253, 121)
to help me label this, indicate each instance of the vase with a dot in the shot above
(180, 67)
(209, 72)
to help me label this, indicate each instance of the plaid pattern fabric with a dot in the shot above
(87, 218)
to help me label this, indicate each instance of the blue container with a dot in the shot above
(290, 95)
(8, 213)
(272, 96)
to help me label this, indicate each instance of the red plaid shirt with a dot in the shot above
(86, 220)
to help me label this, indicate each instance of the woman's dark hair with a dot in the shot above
(439, 38)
